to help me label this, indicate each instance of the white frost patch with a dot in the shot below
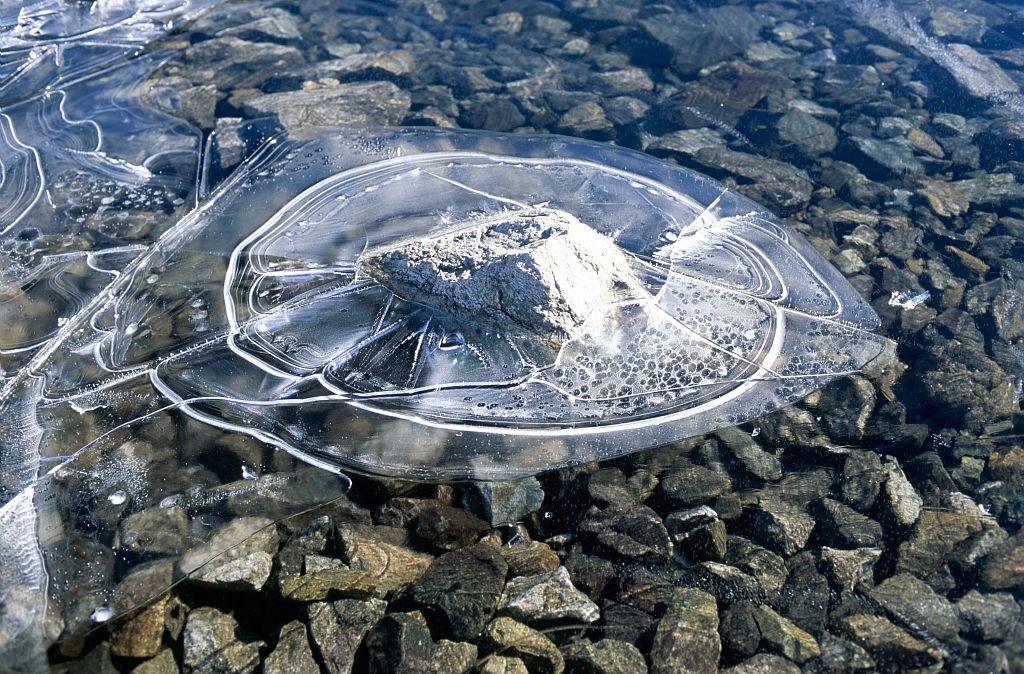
(907, 300)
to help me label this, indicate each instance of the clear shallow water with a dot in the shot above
(889, 136)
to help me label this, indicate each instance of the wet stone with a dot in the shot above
(462, 587)
(839, 656)
(780, 525)
(528, 558)
(698, 533)
(210, 644)
(635, 532)
(505, 502)
(1004, 567)
(690, 484)
(989, 617)
(804, 599)
(687, 638)
(352, 104)
(162, 663)
(811, 135)
(861, 479)
(154, 531)
(292, 654)
(607, 656)
(892, 649)
(846, 569)
(785, 638)
(240, 554)
(763, 663)
(547, 596)
(448, 527)
(914, 605)
(399, 642)
(503, 664)
(889, 155)
(741, 636)
(749, 454)
(329, 583)
(763, 564)
(389, 566)
(453, 657)
(141, 635)
(901, 504)
(591, 573)
(934, 539)
(337, 628)
(486, 111)
(843, 527)
(781, 186)
(510, 637)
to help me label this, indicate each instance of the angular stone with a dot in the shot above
(891, 647)
(913, 604)
(989, 617)
(839, 656)
(453, 657)
(749, 454)
(607, 656)
(351, 104)
(528, 270)
(239, 555)
(763, 663)
(846, 569)
(389, 566)
(698, 533)
(505, 635)
(805, 597)
(690, 484)
(503, 664)
(763, 564)
(780, 525)
(547, 596)
(329, 583)
(292, 654)
(784, 637)
(462, 588)
(900, 501)
(635, 532)
(505, 502)
(210, 644)
(1004, 567)
(154, 531)
(687, 636)
(862, 479)
(935, 537)
(741, 635)
(141, 635)
(399, 642)
(844, 527)
(811, 135)
(448, 527)
(162, 663)
(337, 628)
(529, 558)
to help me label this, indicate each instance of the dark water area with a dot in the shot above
(183, 490)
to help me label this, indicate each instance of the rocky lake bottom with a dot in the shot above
(873, 526)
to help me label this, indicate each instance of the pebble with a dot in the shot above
(912, 604)
(292, 655)
(210, 644)
(351, 104)
(607, 656)
(784, 637)
(890, 646)
(507, 636)
(399, 642)
(239, 555)
(508, 502)
(635, 532)
(337, 628)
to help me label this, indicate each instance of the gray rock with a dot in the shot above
(934, 539)
(689, 484)
(507, 636)
(232, 63)
(530, 270)
(690, 42)
(607, 656)
(741, 636)
(947, 23)
(785, 638)
(915, 606)
(487, 111)
(448, 527)
(811, 135)
(453, 657)
(463, 588)
(805, 597)
(502, 664)
(140, 635)
(979, 74)
(292, 654)
(686, 142)
(337, 628)
(389, 566)
(901, 504)
(698, 533)
(239, 555)
(162, 663)
(547, 596)
(505, 502)
(687, 636)
(587, 119)
(352, 104)
(839, 656)
(528, 558)
(769, 568)
(846, 569)
(892, 649)
(328, 582)
(633, 532)
(154, 531)
(989, 617)
(210, 644)
(399, 642)
(749, 454)
(843, 527)
(763, 663)
(779, 185)
(861, 479)
(1004, 567)
(780, 525)
(893, 155)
